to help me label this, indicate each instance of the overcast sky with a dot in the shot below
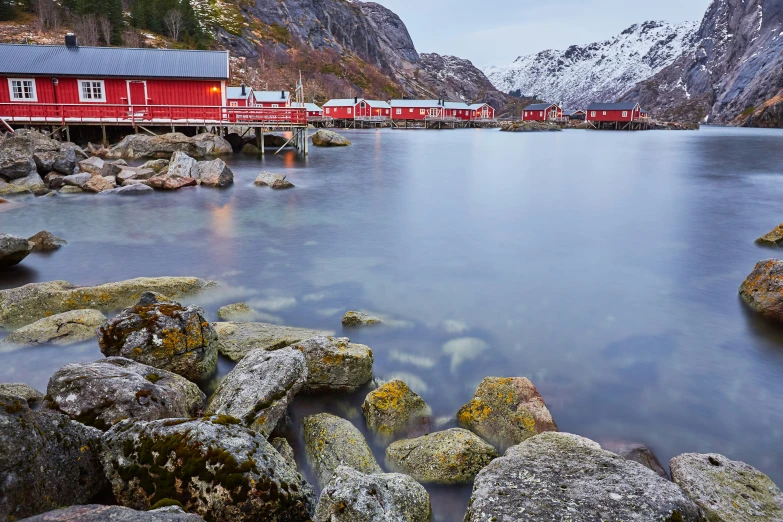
(496, 32)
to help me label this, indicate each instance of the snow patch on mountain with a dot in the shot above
(597, 72)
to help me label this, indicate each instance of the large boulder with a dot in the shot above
(46, 461)
(92, 165)
(394, 408)
(237, 339)
(214, 173)
(182, 172)
(98, 513)
(727, 490)
(45, 241)
(32, 182)
(327, 138)
(452, 456)
(506, 411)
(26, 151)
(66, 328)
(26, 304)
(163, 334)
(30, 395)
(136, 189)
(136, 146)
(98, 184)
(238, 312)
(128, 174)
(559, 476)
(354, 318)
(62, 160)
(13, 249)
(353, 496)
(335, 364)
(213, 467)
(260, 388)
(331, 442)
(272, 180)
(77, 180)
(762, 290)
(102, 393)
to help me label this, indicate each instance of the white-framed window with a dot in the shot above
(541, 113)
(410, 110)
(604, 113)
(398, 111)
(625, 114)
(422, 111)
(275, 105)
(327, 110)
(349, 110)
(22, 89)
(592, 113)
(233, 104)
(92, 91)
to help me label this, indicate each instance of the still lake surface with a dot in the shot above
(604, 266)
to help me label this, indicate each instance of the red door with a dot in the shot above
(138, 98)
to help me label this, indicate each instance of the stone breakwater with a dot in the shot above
(137, 424)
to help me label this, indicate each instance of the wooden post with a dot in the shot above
(262, 141)
(67, 133)
(103, 133)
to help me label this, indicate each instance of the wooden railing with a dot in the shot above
(99, 113)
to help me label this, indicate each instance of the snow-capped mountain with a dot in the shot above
(598, 72)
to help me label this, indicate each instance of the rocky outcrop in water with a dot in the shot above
(727, 490)
(30, 395)
(531, 126)
(45, 241)
(354, 318)
(772, 238)
(259, 389)
(25, 152)
(13, 249)
(559, 476)
(335, 364)
(102, 393)
(238, 339)
(135, 146)
(97, 513)
(272, 180)
(213, 467)
(214, 173)
(163, 334)
(26, 304)
(61, 329)
(327, 138)
(46, 460)
(353, 496)
(762, 290)
(394, 408)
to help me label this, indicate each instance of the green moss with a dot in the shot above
(153, 378)
(13, 406)
(166, 502)
(225, 420)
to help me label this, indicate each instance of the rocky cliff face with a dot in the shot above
(732, 73)
(600, 71)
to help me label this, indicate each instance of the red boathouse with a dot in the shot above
(542, 112)
(621, 116)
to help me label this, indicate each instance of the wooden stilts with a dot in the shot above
(105, 141)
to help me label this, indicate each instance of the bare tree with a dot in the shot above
(87, 30)
(48, 14)
(132, 38)
(104, 27)
(173, 21)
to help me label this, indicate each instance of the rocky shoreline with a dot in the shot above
(135, 428)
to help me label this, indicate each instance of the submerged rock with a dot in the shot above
(213, 467)
(772, 238)
(46, 461)
(327, 138)
(353, 496)
(331, 442)
(30, 395)
(102, 393)
(531, 126)
(165, 335)
(452, 456)
(44, 241)
(284, 449)
(559, 476)
(727, 490)
(214, 173)
(394, 408)
(506, 411)
(61, 329)
(260, 388)
(335, 364)
(762, 290)
(250, 149)
(275, 181)
(13, 249)
(26, 304)
(98, 513)
(237, 339)
(353, 318)
(237, 312)
(136, 146)
(638, 453)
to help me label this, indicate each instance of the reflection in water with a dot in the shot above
(612, 286)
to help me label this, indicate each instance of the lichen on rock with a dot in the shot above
(394, 408)
(335, 364)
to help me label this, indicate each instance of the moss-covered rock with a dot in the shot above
(284, 449)
(30, 395)
(98, 513)
(163, 334)
(395, 408)
(762, 290)
(61, 329)
(259, 389)
(136, 146)
(46, 460)
(727, 490)
(238, 338)
(213, 467)
(327, 138)
(335, 364)
(354, 319)
(559, 476)
(26, 304)
(452, 456)
(102, 393)
(241, 312)
(331, 442)
(352, 496)
(772, 238)
(506, 411)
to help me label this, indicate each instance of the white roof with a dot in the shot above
(415, 103)
(235, 93)
(456, 105)
(310, 107)
(342, 102)
(378, 104)
(271, 96)
(476, 106)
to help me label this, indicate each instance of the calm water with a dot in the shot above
(603, 266)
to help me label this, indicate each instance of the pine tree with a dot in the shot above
(7, 10)
(115, 17)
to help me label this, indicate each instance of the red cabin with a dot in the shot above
(614, 112)
(459, 110)
(93, 76)
(542, 112)
(272, 99)
(482, 111)
(241, 96)
(417, 110)
(314, 112)
(357, 109)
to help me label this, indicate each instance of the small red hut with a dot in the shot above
(542, 112)
(482, 111)
(241, 96)
(272, 99)
(417, 110)
(614, 112)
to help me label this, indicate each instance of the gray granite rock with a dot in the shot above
(275, 181)
(237, 338)
(335, 364)
(327, 138)
(394, 408)
(98, 513)
(61, 329)
(214, 173)
(30, 395)
(637, 453)
(13, 249)
(354, 318)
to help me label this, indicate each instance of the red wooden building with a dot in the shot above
(272, 99)
(69, 74)
(314, 112)
(481, 111)
(357, 109)
(542, 112)
(241, 96)
(614, 112)
(417, 110)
